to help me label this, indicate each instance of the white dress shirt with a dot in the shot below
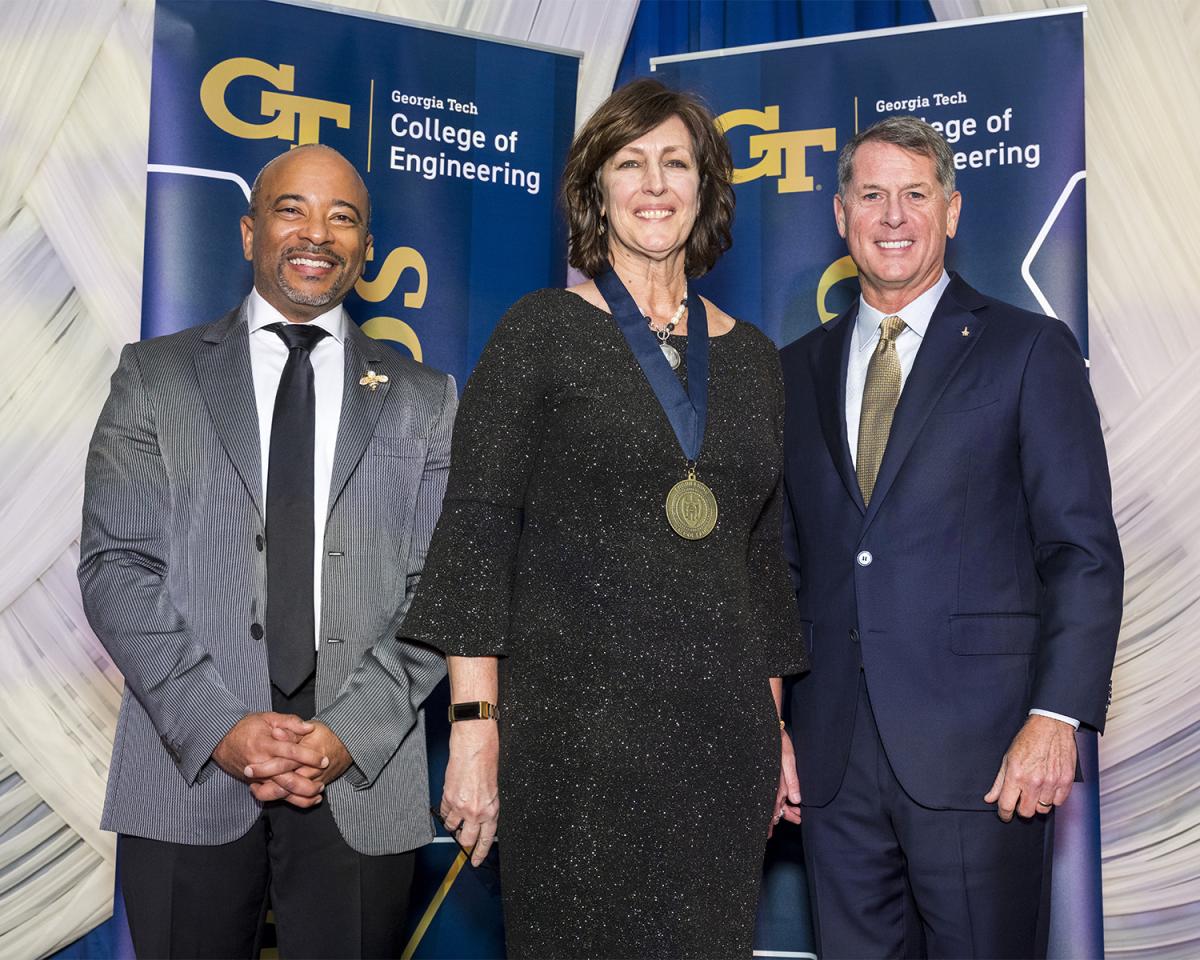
(268, 354)
(863, 340)
(866, 336)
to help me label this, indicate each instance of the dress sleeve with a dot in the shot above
(774, 623)
(462, 605)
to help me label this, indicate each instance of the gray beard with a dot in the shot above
(310, 299)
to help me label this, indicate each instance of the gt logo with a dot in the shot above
(290, 117)
(780, 154)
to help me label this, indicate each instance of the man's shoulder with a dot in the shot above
(424, 379)
(808, 343)
(183, 342)
(1014, 320)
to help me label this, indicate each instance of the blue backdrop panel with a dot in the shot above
(1015, 123)
(460, 140)
(798, 103)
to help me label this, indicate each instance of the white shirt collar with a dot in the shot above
(259, 313)
(915, 315)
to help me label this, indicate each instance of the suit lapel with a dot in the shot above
(361, 405)
(942, 352)
(227, 386)
(832, 359)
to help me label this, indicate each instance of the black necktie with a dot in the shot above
(290, 627)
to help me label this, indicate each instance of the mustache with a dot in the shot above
(313, 248)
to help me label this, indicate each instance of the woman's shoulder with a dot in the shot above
(751, 352)
(719, 322)
(540, 311)
(547, 298)
(742, 332)
(756, 340)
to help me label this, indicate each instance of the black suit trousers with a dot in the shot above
(328, 899)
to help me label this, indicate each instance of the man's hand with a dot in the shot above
(301, 784)
(1037, 771)
(260, 738)
(471, 795)
(787, 797)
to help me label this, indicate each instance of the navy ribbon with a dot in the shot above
(688, 412)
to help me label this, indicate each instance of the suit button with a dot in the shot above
(258, 542)
(256, 631)
(864, 558)
(853, 635)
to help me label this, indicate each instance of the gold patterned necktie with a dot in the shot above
(880, 395)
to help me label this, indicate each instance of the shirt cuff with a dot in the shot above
(1055, 716)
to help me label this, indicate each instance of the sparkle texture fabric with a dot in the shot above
(639, 742)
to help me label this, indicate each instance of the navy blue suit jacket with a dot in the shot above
(986, 576)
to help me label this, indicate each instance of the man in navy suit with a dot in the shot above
(952, 542)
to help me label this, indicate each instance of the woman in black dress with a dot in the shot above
(639, 618)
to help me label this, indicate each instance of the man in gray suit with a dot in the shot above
(260, 496)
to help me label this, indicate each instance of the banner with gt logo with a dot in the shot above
(1007, 92)
(460, 141)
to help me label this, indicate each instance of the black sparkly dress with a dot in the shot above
(639, 743)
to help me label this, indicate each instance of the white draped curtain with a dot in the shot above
(1143, 139)
(74, 116)
(74, 106)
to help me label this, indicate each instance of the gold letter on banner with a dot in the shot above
(837, 271)
(280, 106)
(781, 154)
(395, 265)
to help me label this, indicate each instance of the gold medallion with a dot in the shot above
(691, 508)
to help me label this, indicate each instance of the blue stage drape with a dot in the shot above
(666, 27)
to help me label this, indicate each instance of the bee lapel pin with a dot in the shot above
(372, 380)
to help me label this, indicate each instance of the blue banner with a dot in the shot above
(1007, 93)
(1015, 124)
(460, 140)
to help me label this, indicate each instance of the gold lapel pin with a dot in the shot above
(965, 332)
(373, 380)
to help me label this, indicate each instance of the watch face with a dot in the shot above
(475, 710)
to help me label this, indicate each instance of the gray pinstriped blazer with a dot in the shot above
(173, 576)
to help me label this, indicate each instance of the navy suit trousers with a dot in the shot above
(892, 878)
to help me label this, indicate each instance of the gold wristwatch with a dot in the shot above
(473, 710)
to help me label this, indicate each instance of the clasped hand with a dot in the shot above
(282, 757)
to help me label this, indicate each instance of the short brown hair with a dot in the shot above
(909, 133)
(635, 109)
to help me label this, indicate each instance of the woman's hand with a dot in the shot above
(471, 795)
(787, 797)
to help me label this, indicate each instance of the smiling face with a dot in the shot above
(649, 190)
(895, 218)
(308, 239)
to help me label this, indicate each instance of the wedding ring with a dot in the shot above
(1043, 803)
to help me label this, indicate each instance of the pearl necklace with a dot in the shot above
(664, 332)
